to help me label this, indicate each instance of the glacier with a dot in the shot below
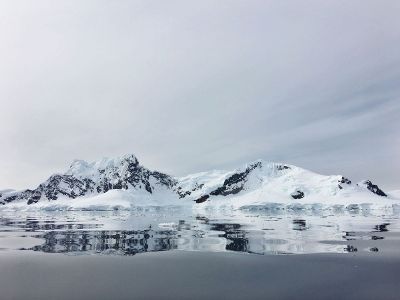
(123, 183)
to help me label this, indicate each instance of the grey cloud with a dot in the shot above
(193, 85)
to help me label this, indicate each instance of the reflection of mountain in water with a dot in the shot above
(124, 242)
(236, 238)
(32, 225)
(299, 224)
(136, 241)
(254, 233)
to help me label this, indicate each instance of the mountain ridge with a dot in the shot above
(84, 179)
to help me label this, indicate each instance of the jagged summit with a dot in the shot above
(83, 168)
(258, 180)
(83, 179)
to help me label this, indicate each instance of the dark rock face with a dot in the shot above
(235, 183)
(297, 195)
(232, 185)
(282, 167)
(374, 188)
(66, 185)
(10, 198)
(343, 181)
(183, 194)
(202, 199)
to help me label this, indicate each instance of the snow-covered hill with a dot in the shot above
(122, 182)
(88, 179)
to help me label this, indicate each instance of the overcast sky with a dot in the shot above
(194, 85)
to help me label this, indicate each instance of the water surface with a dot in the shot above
(172, 229)
(193, 254)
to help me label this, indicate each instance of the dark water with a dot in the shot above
(200, 255)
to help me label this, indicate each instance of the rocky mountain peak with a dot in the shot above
(372, 187)
(84, 169)
(125, 173)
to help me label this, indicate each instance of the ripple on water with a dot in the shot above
(261, 232)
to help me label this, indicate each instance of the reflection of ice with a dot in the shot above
(162, 229)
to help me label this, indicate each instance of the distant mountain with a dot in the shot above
(258, 179)
(83, 178)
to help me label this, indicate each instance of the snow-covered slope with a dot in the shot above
(262, 182)
(122, 182)
(89, 179)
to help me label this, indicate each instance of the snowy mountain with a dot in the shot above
(83, 179)
(255, 183)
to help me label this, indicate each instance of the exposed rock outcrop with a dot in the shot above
(373, 188)
(297, 194)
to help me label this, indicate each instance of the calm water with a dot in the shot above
(209, 254)
(171, 229)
